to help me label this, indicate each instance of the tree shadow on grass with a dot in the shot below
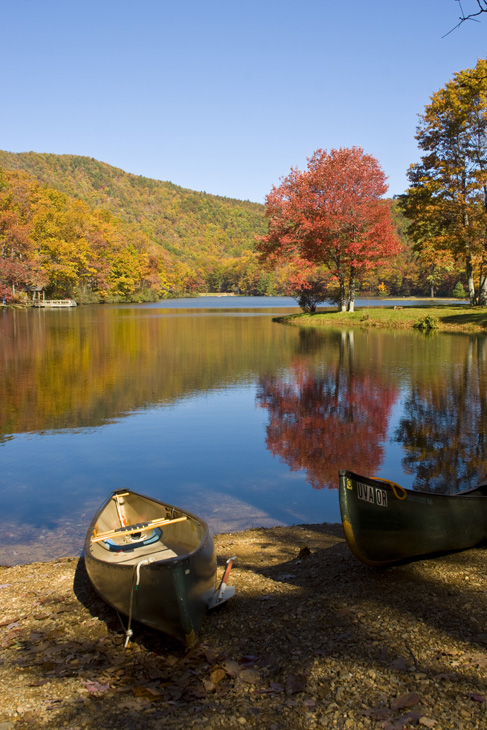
(472, 317)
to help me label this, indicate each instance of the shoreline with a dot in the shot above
(312, 639)
(446, 318)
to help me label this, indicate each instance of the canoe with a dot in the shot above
(385, 523)
(154, 563)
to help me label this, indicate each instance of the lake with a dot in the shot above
(210, 405)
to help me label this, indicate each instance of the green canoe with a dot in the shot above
(385, 523)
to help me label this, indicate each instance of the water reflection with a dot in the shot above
(65, 369)
(443, 427)
(326, 411)
(225, 413)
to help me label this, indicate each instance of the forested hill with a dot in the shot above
(189, 225)
(83, 229)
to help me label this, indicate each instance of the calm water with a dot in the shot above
(209, 405)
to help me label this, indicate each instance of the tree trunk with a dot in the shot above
(351, 295)
(482, 294)
(342, 301)
(471, 283)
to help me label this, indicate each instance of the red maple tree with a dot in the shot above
(332, 214)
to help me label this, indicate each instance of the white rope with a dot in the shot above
(129, 633)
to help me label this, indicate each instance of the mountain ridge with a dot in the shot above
(187, 224)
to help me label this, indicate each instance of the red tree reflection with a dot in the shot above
(327, 419)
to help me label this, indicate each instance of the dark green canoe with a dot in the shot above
(385, 523)
(154, 563)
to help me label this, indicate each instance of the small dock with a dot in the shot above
(51, 303)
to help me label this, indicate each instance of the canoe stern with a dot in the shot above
(385, 523)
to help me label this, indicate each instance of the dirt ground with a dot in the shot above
(312, 639)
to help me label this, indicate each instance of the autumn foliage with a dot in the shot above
(331, 215)
(51, 240)
(447, 198)
(179, 241)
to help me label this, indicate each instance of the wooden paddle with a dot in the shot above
(130, 529)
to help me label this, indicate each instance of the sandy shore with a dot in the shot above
(312, 639)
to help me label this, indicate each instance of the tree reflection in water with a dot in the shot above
(327, 415)
(444, 422)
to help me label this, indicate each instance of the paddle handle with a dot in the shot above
(130, 529)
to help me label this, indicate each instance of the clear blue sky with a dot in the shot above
(226, 97)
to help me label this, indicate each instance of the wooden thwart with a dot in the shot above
(130, 529)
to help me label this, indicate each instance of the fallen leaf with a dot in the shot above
(232, 668)
(444, 675)
(96, 686)
(274, 688)
(250, 676)
(476, 697)
(401, 722)
(217, 675)
(378, 713)
(295, 683)
(427, 721)
(208, 685)
(249, 659)
(399, 665)
(197, 690)
(12, 622)
(406, 700)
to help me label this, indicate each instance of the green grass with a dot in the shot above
(447, 318)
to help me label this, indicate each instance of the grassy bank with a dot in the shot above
(442, 317)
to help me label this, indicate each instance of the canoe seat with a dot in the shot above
(133, 541)
(158, 552)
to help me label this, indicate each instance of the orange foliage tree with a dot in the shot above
(49, 239)
(332, 215)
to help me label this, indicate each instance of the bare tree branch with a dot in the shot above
(481, 8)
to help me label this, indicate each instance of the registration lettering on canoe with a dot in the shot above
(374, 495)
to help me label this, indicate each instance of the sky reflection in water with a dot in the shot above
(239, 419)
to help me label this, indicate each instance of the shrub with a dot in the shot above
(426, 323)
(459, 291)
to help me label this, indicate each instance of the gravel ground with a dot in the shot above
(313, 639)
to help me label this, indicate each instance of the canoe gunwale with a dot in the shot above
(375, 481)
(188, 515)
